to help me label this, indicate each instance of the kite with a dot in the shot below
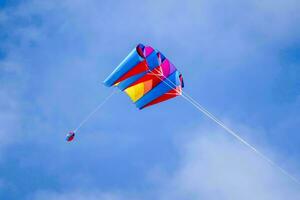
(145, 75)
(149, 78)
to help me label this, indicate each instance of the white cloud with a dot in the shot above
(215, 167)
(211, 166)
(9, 116)
(78, 195)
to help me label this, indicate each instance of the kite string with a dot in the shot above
(95, 110)
(198, 106)
(209, 115)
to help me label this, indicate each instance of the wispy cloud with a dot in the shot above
(210, 166)
(77, 195)
(216, 167)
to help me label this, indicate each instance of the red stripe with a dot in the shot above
(155, 79)
(164, 97)
(139, 68)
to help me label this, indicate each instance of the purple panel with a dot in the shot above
(167, 68)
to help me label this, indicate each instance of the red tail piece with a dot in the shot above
(70, 136)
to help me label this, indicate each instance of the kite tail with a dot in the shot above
(95, 110)
(198, 106)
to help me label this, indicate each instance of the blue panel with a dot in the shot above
(162, 57)
(129, 62)
(124, 84)
(159, 90)
(152, 60)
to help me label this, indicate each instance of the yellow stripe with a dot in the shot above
(135, 92)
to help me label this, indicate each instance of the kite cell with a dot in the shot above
(147, 77)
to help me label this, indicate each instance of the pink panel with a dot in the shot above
(148, 50)
(167, 67)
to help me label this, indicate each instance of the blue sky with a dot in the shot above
(239, 59)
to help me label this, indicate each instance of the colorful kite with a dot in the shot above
(147, 77)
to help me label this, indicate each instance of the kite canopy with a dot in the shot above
(147, 77)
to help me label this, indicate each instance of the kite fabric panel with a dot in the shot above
(147, 77)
